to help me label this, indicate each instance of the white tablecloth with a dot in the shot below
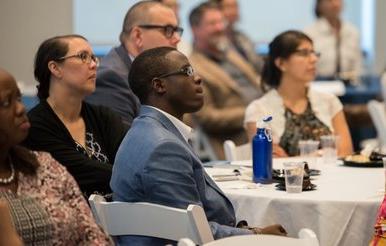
(341, 211)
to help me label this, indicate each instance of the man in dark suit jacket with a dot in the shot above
(147, 24)
(155, 163)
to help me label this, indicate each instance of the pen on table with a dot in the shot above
(225, 178)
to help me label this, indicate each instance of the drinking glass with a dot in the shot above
(329, 145)
(293, 173)
(309, 152)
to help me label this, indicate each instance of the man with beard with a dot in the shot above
(230, 82)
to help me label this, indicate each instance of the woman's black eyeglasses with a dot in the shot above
(84, 56)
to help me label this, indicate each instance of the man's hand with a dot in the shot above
(274, 230)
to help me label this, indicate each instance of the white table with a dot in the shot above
(341, 211)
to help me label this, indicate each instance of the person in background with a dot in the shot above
(241, 42)
(147, 24)
(299, 113)
(81, 136)
(229, 81)
(338, 42)
(46, 205)
(183, 46)
(155, 162)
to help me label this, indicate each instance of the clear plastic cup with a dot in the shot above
(293, 173)
(329, 145)
(309, 152)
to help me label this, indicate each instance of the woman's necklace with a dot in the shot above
(10, 178)
(84, 148)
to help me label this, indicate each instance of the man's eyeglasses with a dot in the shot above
(307, 53)
(188, 71)
(168, 30)
(84, 56)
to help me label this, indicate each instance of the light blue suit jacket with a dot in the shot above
(155, 164)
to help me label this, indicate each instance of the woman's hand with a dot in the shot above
(278, 151)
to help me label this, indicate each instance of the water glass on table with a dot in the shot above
(329, 145)
(293, 173)
(309, 152)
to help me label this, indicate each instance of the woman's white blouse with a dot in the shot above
(324, 105)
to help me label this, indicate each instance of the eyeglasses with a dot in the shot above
(84, 56)
(10, 99)
(307, 53)
(168, 30)
(188, 71)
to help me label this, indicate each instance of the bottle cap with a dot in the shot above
(267, 118)
(264, 122)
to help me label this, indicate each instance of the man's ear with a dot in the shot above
(158, 86)
(280, 64)
(195, 30)
(136, 35)
(55, 69)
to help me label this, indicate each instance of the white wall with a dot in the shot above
(24, 24)
(380, 37)
(100, 20)
(262, 19)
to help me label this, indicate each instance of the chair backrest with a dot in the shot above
(306, 238)
(147, 219)
(378, 116)
(237, 153)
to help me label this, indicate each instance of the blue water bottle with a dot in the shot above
(262, 152)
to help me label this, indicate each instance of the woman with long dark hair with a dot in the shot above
(299, 113)
(81, 136)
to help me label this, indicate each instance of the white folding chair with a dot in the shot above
(378, 116)
(306, 238)
(147, 219)
(237, 153)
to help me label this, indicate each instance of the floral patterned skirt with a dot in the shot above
(379, 237)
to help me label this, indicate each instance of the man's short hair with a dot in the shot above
(199, 11)
(147, 66)
(137, 14)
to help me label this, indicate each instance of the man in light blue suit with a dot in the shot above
(155, 162)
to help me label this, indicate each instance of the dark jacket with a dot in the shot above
(49, 134)
(112, 85)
